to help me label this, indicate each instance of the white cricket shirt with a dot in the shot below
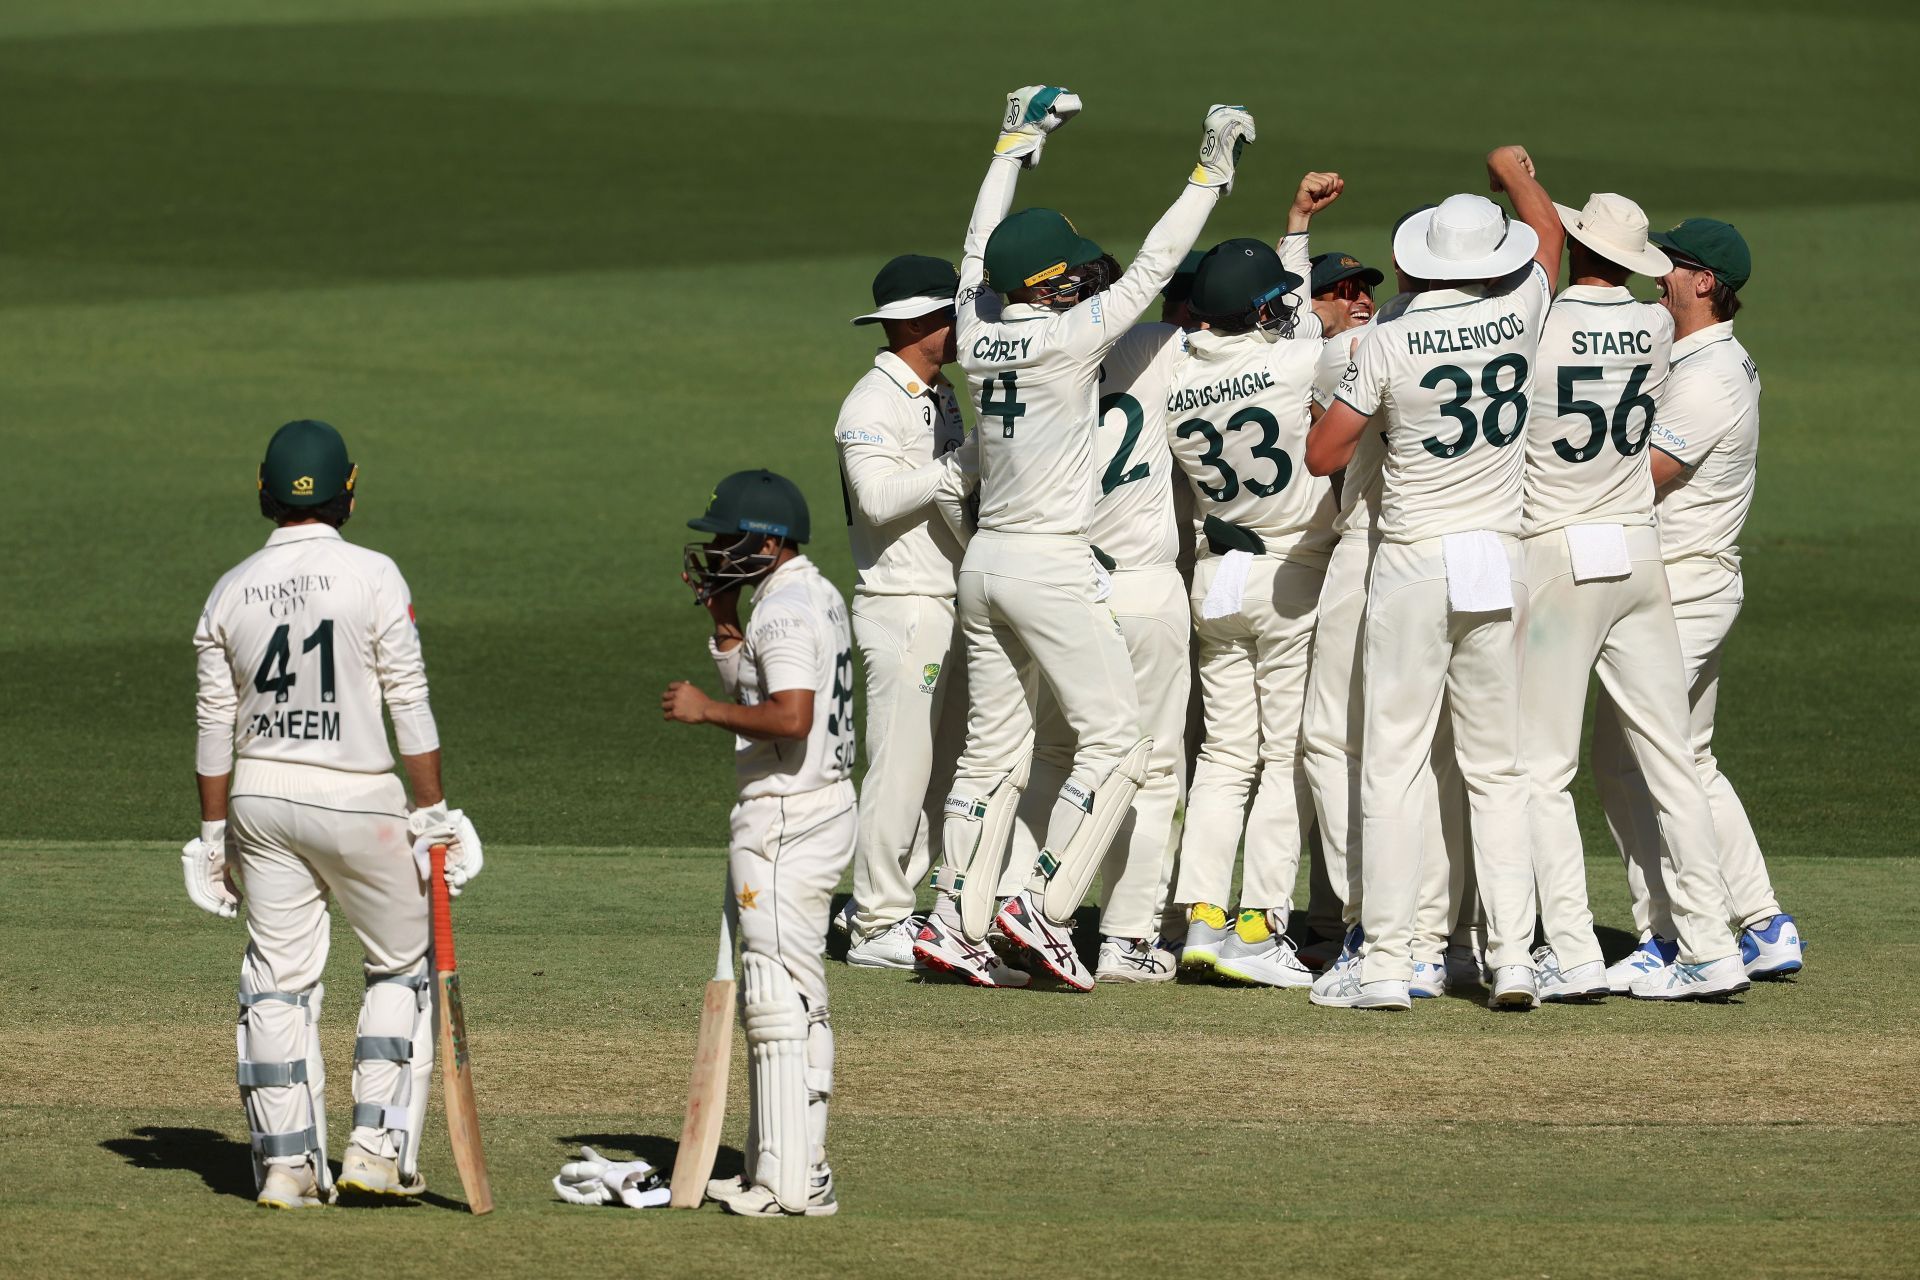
(1454, 372)
(1133, 518)
(796, 638)
(905, 491)
(1034, 375)
(1599, 367)
(297, 648)
(1709, 421)
(1238, 411)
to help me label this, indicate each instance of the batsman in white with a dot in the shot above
(1032, 351)
(1444, 597)
(1241, 404)
(898, 433)
(1597, 597)
(788, 677)
(297, 647)
(1706, 445)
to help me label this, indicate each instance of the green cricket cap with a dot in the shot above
(1180, 284)
(755, 502)
(307, 464)
(1713, 244)
(912, 285)
(1032, 247)
(1238, 276)
(1329, 269)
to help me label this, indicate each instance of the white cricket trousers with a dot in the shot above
(916, 687)
(1028, 599)
(300, 834)
(1332, 729)
(1625, 628)
(1422, 657)
(1150, 604)
(1253, 684)
(785, 858)
(1706, 598)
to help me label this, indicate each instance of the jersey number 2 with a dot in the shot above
(1117, 472)
(275, 675)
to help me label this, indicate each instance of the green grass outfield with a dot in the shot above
(554, 268)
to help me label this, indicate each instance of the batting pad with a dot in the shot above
(283, 1078)
(1070, 871)
(775, 1019)
(981, 828)
(393, 1065)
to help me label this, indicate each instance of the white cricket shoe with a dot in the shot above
(755, 1201)
(841, 921)
(1268, 962)
(375, 1175)
(1771, 948)
(891, 948)
(1134, 960)
(1652, 955)
(1341, 988)
(1582, 984)
(1429, 981)
(1515, 989)
(1714, 980)
(1207, 928)
(1026, 927)
(946, 950)
(289, 1186)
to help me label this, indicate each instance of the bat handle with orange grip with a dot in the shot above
(442, 901)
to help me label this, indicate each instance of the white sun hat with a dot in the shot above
(1615, 228)
(1465, 237)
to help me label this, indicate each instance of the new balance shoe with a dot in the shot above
(755, 1201)
(1771, 948)
(1515, 989)
(1207, 929)
(1579, 985)
(1027, 928)
(1429, 981)
(891, 948)
(1652, 955)
(945, 950)
(1253, 952)
(1714, 980)
(1134, 960)
(375, 1175)
(1341, 988)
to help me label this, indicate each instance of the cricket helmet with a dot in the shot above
(306, 465)
(743, 511)
(1039, 249)
(1240, 284)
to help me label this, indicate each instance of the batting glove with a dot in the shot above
(593, 1179)
(209, 882)
(1229, 130)
(1033, 113)
(437, 824)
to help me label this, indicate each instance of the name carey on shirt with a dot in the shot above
(1235, 388)
(1466, 337)
(288, 596)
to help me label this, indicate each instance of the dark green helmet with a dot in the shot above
(755, 502)
(306, 465)
(1036, 249)
(1237, 280)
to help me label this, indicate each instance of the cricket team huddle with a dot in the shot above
(1378, 547)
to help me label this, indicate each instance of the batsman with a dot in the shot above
(788, 677)
(298, 646)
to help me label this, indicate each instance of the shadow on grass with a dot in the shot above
(222, 1163)
(655, 1149)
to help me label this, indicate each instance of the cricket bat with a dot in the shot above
(707, 1091)
(456, 1071)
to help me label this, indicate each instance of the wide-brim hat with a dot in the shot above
(1615, 228)
(911, 285)
(1464, 237)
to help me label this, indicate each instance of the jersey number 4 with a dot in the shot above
(275, 675)
(1008, 408)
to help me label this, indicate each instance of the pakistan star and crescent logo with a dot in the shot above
(749, 898)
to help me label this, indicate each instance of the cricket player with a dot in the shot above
(788, 679)
(298, 646)
(1242, 400)
(1444, 596)
(1597, 597)
(1032, 350)
(1705, 446)
(898, 433)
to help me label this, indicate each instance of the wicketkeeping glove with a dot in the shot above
(593, 1179)
(1229, 130)
(1033, 113)
(209, 882)
(437, 824)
